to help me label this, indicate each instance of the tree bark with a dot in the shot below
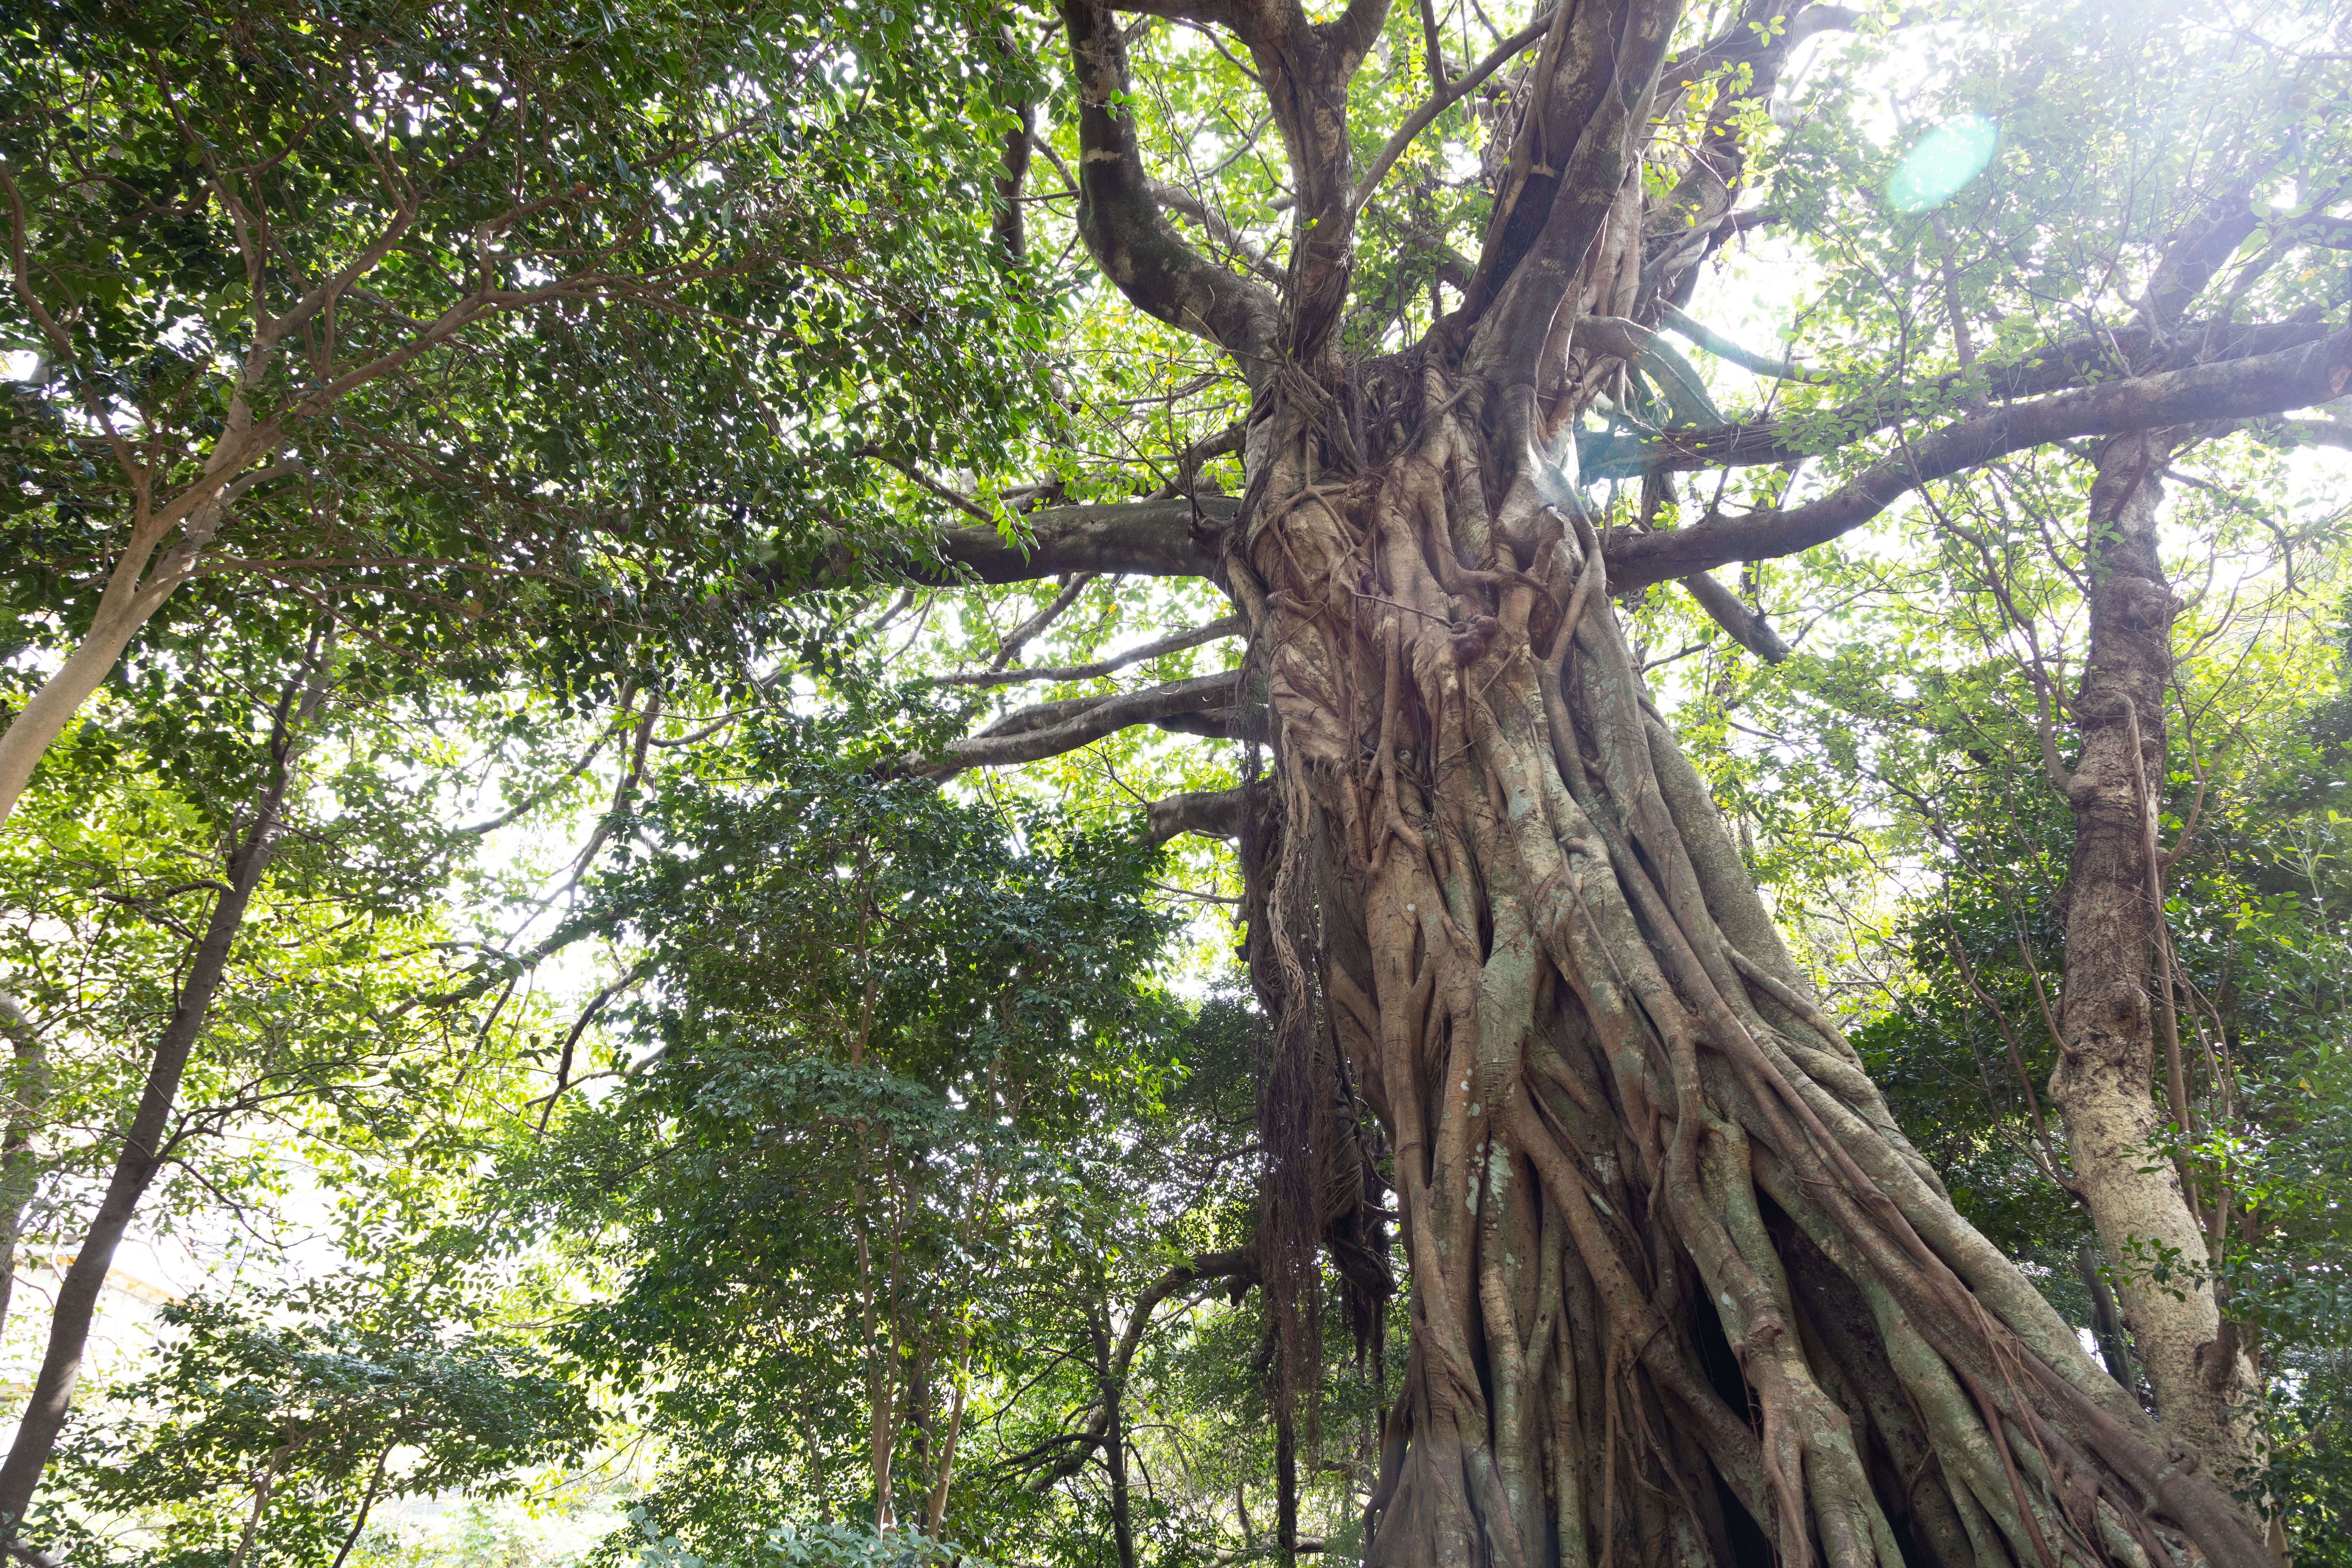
(2116, 998)
(134, 593)
(36, 726)
(19, 1165)
(143, 1141)
(1486, 876)
(1614, 1103)
(367, 1505)
(2106, 1319)
(944, 1474)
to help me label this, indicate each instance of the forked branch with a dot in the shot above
(1123, 224)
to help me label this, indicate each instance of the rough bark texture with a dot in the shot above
(1618, 1121)
(2115, 1001)
(1681, 1292)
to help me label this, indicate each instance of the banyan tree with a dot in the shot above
(1680, 1290)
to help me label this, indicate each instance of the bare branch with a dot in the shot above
(2320, 229)
(1634, 343)
(1212, 814)
(1748, 627)
(1177, 642)
(1434, 47)
(1142, 539)
(955, 499)
(1722, 348)
(1127, 233)
(1219, 227)
(2105, 358)
(1050, 729)
(571, 1040)
(1019, 636)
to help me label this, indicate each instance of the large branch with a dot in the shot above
(1219, 227)
(1594, 82)
(1722, 348)
(2237, 389)
(1636, 344)
(1140, 539)
(2103, 357)
(1747, 626)
(1050, 729)
(2319, 228)
(1211, 812)
(2199, 250)
(1125, 229)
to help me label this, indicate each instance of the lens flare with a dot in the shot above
(1941, 166)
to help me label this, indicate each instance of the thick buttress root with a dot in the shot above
(1681, 1290)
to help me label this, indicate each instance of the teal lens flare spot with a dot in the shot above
(1943, 163)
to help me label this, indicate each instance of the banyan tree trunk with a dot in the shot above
(1681, 1290)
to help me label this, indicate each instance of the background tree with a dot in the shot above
(277, 1438)
(861, 1121)
(374, 311)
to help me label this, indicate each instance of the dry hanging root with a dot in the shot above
(1681, 1291)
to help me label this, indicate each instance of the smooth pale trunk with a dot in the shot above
(130, 598)
(45, 716)
(2114, 1002)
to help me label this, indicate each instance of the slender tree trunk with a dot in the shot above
(262, 1486)
(2117, 1023)
(881, 1432)
(367, 1506)
(18, 1164)
(936, 1516)
(143, 1143)
(881, 1369)
(131, 596)
(36, 726)
(2106, 1319)
(1110, 1390)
